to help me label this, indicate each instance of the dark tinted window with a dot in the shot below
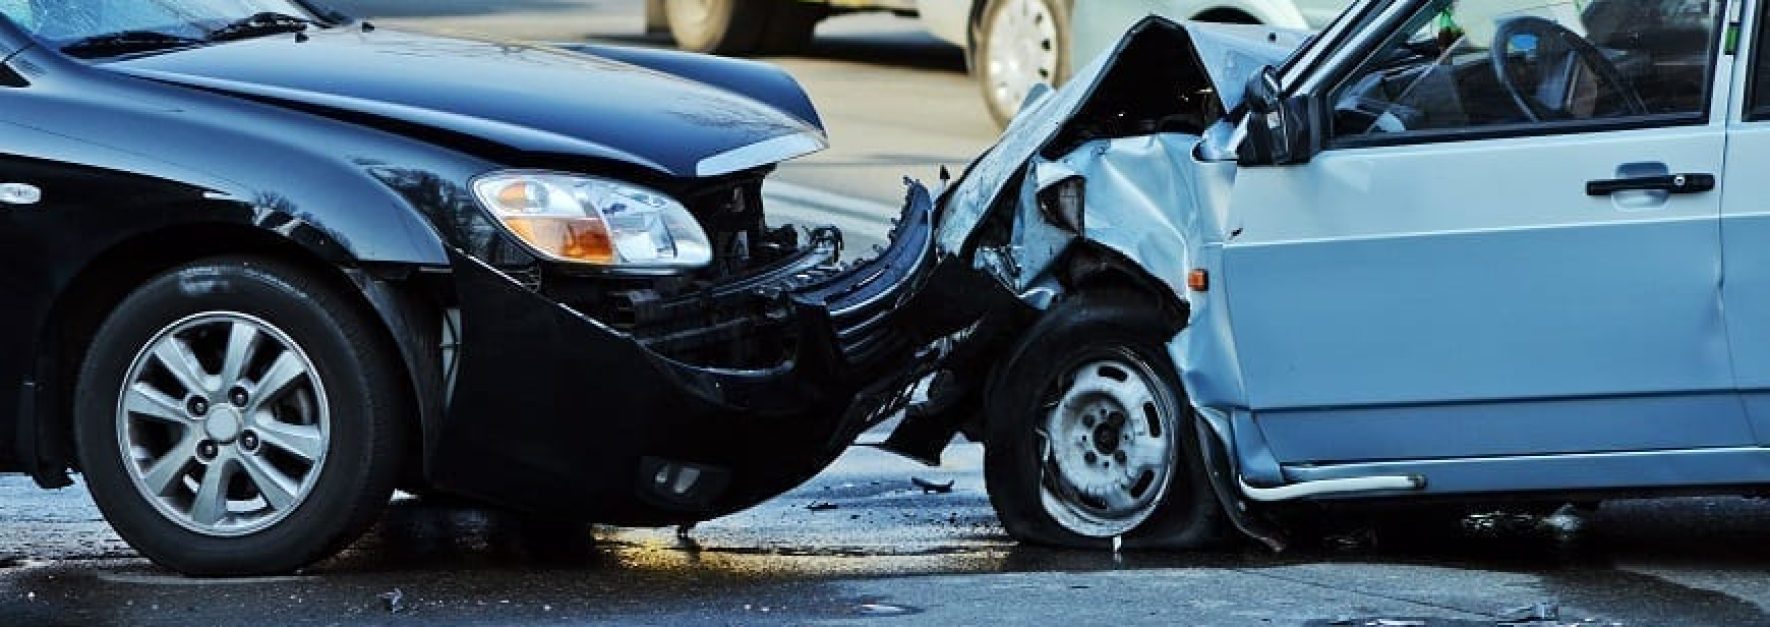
(1490, 63)
(1757, 104)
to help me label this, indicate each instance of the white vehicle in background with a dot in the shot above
(1012, 45)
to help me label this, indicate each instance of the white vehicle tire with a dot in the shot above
(728, 27)
(1020, 44)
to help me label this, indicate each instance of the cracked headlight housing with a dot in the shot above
(595, 221)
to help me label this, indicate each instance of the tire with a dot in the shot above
(1020, 43)
(1041, 489)
(791, 26)
(727, 27)
(340, 403)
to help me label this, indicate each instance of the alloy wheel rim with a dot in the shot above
(1108, 447)
(1023, 51)
(223, 424)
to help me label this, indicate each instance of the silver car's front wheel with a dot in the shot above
(223, 424)
(1088, 435)
(1110, 447)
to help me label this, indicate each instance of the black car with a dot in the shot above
(261, 264)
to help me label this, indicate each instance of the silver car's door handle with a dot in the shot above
(20, 194)
(1670, 183)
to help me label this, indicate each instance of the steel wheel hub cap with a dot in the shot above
(1109, 448)
(1022, 51)
(223, 424)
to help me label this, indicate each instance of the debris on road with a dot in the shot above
(393, 601)
(932, 487)
(822, 506)
(1546, 612)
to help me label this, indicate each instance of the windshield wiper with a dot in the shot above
(125, 42)
(267, 23)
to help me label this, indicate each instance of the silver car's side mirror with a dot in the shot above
(1277, 128)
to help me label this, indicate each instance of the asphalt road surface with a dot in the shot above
(861, 544)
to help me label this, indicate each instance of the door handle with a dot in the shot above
(1669, 183)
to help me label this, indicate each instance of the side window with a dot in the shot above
(1757, 104)
(1483, 65)
(20, 12)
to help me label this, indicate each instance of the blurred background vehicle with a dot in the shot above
(1011, 45)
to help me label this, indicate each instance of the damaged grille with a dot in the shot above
(862, 301)
(732, 314)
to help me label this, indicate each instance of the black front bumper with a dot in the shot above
(556, 413)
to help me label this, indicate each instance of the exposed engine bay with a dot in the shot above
(731, 314)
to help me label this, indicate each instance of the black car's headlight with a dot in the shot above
(595, 221)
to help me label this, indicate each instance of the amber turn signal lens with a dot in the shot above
(1198, 280)
(572, 239)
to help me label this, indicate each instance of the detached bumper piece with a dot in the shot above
(557, 413)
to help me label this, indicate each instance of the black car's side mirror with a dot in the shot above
(1277, 127)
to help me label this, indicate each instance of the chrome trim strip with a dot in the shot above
(762, 153)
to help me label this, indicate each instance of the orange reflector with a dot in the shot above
(571, 239)
(1198, 280)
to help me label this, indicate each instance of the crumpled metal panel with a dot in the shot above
(1149, 200)
(1042, 118)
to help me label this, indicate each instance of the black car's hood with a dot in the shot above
(527, 98)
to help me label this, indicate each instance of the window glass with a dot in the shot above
(62, 21)
(1466, 64)
(1758, 94)
(20, 12)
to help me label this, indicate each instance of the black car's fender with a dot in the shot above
(247, 178)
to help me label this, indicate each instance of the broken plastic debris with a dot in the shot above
(822, 506)
(932, 487)
(1545, 612)
(394, 601)
(881, 609)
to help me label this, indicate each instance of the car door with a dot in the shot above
(1470, 270)
(1745, 225)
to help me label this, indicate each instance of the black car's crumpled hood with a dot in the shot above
(527, 98)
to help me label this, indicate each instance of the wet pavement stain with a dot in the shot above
(890, 547)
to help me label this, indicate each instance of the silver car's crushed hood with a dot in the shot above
(1227, 54)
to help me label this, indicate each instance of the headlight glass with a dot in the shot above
(595, 221)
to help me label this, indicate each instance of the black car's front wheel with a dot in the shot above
(1089, 434)
(236, 416)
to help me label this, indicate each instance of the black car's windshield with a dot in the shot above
(99, 27)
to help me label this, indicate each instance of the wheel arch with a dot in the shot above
(1093, 267)
(386, 293)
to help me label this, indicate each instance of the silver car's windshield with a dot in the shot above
(60, 22)
(1320, 41)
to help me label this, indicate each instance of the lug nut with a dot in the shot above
(1088, 421)
(249, 441)
(1120, 457)
(238, 397)
(1091, 457)
(198, 406)
(207, 450)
